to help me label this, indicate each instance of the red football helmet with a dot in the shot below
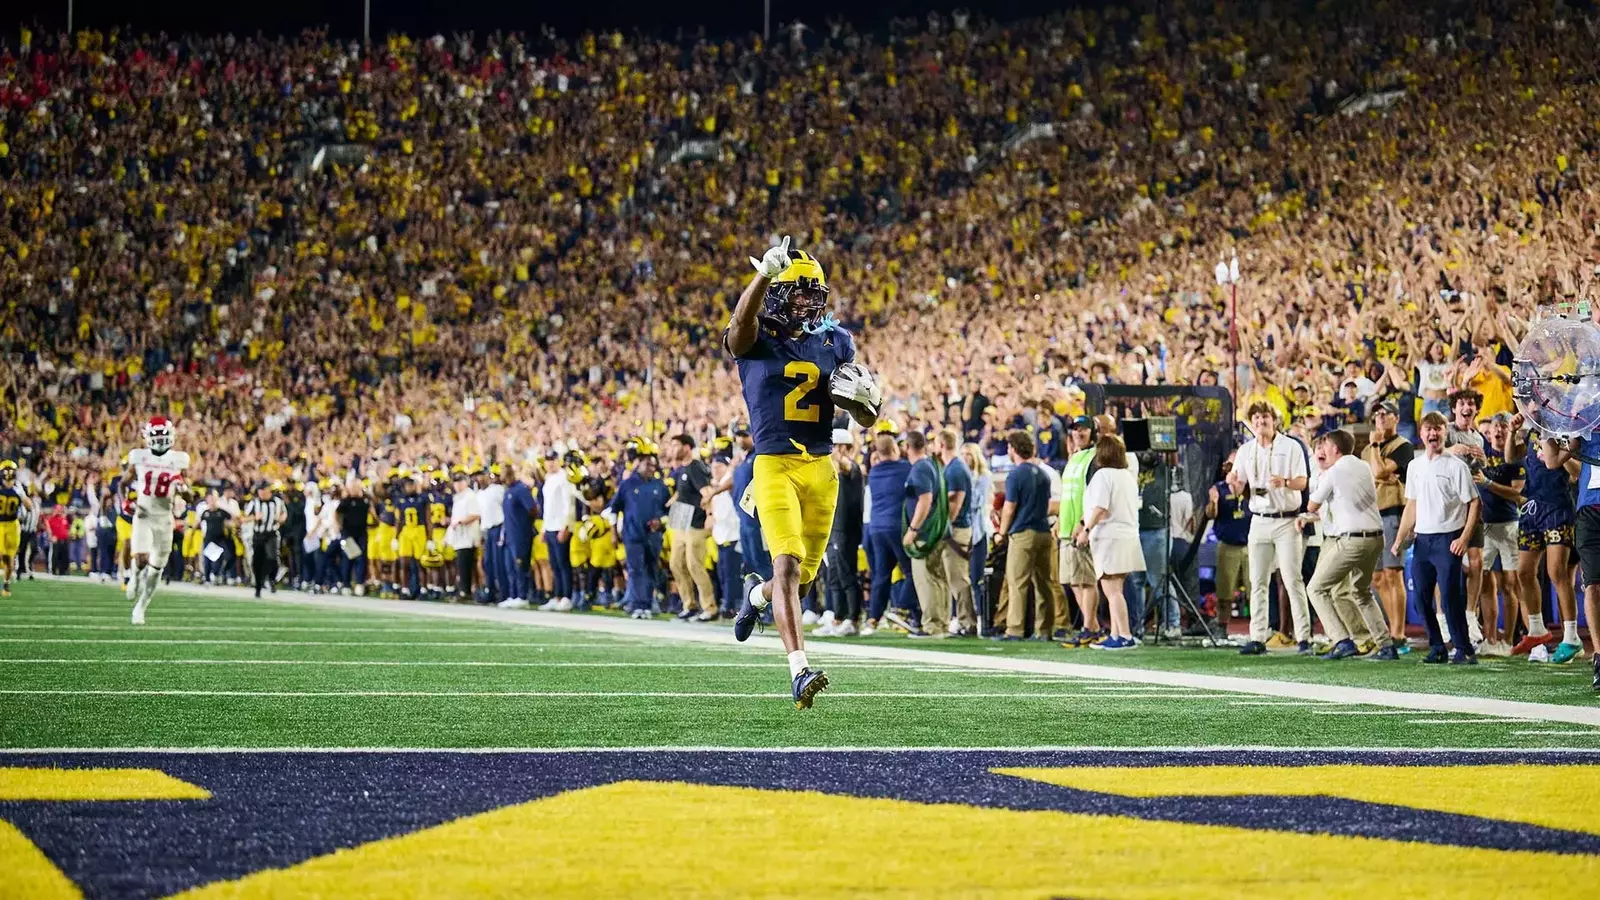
(158, 434)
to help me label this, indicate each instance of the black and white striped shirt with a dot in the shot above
(27, 514)
(265, 513)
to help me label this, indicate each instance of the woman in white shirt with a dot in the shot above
(1433, 380)
(982, 529)
(1111, 529)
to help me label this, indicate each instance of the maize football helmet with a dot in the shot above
(797, 300)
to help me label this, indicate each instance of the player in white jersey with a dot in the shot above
(156, 473)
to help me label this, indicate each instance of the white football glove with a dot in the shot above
(774, 262)
(856, 383)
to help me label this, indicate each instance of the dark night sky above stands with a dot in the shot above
(720, 17)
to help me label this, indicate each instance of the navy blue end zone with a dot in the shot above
(277, 809)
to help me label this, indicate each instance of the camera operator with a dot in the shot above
(1272, 468)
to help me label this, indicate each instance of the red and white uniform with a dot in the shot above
(156, 477)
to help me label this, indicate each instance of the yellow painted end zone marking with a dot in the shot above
(29, 873)
(95, 784)
(1566, 797)
(487, 854)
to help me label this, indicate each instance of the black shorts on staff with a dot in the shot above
(1588, 544)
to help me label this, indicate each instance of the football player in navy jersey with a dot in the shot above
(787, 347)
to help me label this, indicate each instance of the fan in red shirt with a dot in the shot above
(59, 527)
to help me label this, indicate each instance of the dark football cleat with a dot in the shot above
(807, 685)
(1463, 659)
(1342, 650)
(1436, 656)
(1387, 654)
(748, 617)
(1252, 648)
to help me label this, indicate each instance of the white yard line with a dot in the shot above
(443, 663)
(537, 646)
(470, 630)
(1590, 733)
(1112, 752)
(1484, 721)
(551, 695)
(1124, 687)
(659, 630)
(1361, 712)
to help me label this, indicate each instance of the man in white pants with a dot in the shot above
(156, 474)
(1271, 471)
(1346, 501)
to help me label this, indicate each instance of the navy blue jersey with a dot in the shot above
(785, 384)
(1496, 508)
(1233, 516)
(413, 509)
(1548, 497)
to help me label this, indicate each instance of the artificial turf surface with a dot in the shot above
(1502, 679)
(217, 671)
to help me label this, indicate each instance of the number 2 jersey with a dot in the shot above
(156, 476)
(785, 383)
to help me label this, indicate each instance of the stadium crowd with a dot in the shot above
(324, 260)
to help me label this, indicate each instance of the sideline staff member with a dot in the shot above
(1442, 509)
(1025, 527)
(1352, 542)
(1271, 470)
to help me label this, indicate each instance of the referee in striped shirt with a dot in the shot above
(267, 513)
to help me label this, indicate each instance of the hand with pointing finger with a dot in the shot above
(774, 262)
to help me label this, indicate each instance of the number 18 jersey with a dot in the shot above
(785, 382)
(156, 476)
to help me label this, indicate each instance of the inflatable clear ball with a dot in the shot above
(1555, 377)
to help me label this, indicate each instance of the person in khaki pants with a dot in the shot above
(933, 592)
(686, 520)
(1346, 499)
(1230, 516)
(953, 555)
(1025, 529)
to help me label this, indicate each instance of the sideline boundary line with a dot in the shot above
(589, 695)
(655, 630)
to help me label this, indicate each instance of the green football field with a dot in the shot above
(210, 670)
(332, 746)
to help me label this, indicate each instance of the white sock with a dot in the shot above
(758, 599)
(1569, 632)
(1474, 627)
(797, 663)
(152, 577)
(1536, 625)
